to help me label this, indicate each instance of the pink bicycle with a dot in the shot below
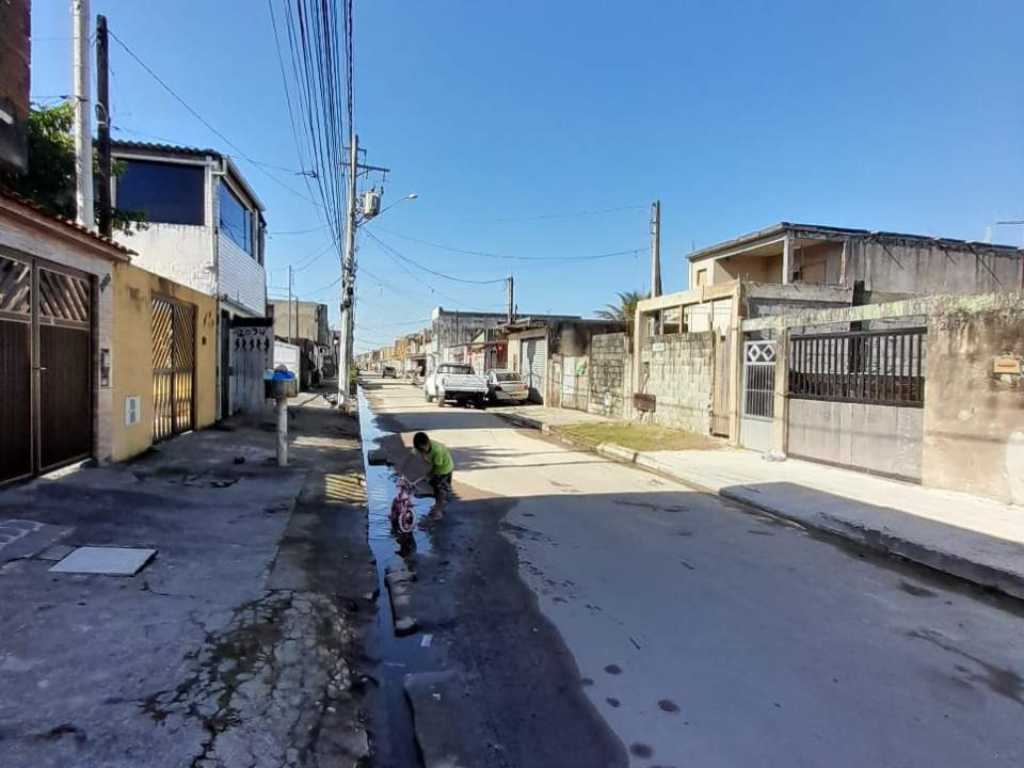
(402, 518)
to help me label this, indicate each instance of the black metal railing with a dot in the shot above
(873, 367)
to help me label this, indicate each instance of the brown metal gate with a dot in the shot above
(46, 364)
(173, 333)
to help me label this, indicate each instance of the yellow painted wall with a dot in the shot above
(134, 289)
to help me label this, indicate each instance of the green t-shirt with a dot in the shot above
(440, 459)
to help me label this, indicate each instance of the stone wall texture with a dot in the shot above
(610, 367)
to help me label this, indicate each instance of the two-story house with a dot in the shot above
(204, 228)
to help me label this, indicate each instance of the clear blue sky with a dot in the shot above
(897, 115)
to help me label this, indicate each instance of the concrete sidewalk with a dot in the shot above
(238, 645)
(976, 539)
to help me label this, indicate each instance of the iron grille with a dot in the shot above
(759, 396)
(873, 367)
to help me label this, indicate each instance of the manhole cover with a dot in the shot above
(108, 561)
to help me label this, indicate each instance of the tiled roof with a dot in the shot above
(24, 202)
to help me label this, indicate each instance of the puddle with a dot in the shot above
(393, 738)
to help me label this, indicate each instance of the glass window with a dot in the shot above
(164, 193)
(508, 377)
(450, 368)
(235, 219)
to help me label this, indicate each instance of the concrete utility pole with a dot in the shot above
(106, 223)
(511, 299)
(655, 248)
(347, 270)
(81, 81)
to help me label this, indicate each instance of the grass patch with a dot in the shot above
(637, 437)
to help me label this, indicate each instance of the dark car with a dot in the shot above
(389, 372)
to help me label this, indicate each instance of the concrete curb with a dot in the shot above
(870, 538)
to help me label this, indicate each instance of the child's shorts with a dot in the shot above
(442, 485)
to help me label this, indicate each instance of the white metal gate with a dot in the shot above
(758, 404)
(533, 359)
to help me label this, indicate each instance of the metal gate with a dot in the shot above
(174, 344)
(758, 395)
(46, 411)
(533, 361)
(722, 387)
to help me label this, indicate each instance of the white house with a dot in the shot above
(204, 229)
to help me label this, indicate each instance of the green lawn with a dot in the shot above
(637, 437)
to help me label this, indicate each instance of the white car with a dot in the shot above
(455, 382)
(503, 384)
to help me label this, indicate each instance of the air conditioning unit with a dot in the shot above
(371, 204)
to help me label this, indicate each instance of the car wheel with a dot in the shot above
(440, 398)
(426, 395)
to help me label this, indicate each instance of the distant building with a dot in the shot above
(301, 320)
(204, 229)
(880, 265)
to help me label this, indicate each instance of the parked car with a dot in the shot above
(455, 382)
(506, 385)
(389, 372)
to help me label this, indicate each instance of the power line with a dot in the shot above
(259, 165)
(485, 254)
(577, 214)
(415, 263)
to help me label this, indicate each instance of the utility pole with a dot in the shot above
(289, 310)
(655, 248)
(106, 224)
(657, 319)
(83, 124)
(511, 299)
(347, 288)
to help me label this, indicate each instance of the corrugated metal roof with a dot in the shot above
(24, 202)
(175, 149)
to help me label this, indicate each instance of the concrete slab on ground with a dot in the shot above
(106, 561)
(25, 538)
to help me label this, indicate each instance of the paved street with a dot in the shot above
(666, 627)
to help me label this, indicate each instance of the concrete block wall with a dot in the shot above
(610, 367)
(679, 372)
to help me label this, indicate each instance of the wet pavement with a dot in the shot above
(698, 632)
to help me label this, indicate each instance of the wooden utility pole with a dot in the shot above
(106, 221)
(81, 83)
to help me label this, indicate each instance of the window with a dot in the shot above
(454, 368)
(164, 193)
(235, 219)
(702, 277)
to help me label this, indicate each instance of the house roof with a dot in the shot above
(839, 233)
(163, 149)
(32, 213)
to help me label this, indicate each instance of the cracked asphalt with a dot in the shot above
(239, 645)
(586, 613)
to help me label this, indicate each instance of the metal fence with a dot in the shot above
(873, 367)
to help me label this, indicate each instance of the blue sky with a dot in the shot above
(513, 120)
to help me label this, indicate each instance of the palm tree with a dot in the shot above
(624, 311)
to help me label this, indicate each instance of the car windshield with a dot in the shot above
(507, 376)
(455, 369)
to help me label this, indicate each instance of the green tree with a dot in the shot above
(50, 181)
(624, 311)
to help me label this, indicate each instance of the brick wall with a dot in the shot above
(679, 372)
(609, 370)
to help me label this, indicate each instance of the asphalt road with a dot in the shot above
(696, 632)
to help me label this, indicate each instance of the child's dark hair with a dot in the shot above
(420, 440)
